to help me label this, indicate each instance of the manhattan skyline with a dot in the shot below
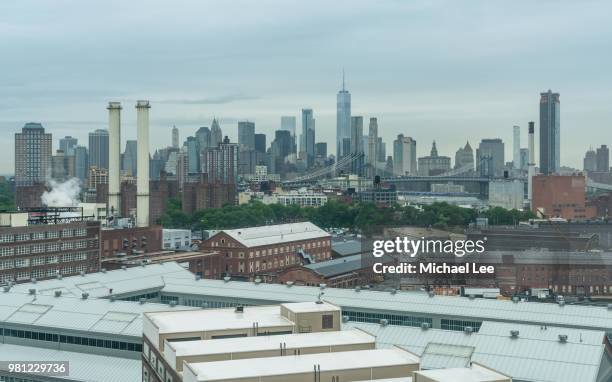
(430, 70)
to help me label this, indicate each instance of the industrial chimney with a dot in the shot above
(114, 157)
(142, 184)
(531, 164)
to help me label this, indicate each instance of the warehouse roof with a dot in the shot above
(344, 265)
(537, 354)
(89, 315)
(476, 373)
(275, 234)
(99, 284)
(82, 366)
(245, 368)
(588, 317)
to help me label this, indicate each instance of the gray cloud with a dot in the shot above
(209, 101)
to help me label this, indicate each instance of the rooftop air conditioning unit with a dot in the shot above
(32, 291)
(514, 333)
(84, 295)
(384, 322)
(425, 325)
(562, 338)
(57, 293)
(468, 330)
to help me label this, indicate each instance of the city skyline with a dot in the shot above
(420, 91)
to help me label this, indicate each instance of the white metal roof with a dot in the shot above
(245, 368)
(577, 316)
(99, 284)
(70, 313)
(275, 234)
(475, 373)
(310, 306)
(216, 319)
(536, 355)
(82, 367)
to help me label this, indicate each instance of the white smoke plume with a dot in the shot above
(62, 194)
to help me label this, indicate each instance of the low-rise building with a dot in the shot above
(176, 239)
(303, 198)
(561, 196)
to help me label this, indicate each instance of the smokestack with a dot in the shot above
(531, 164)
(114, 157)
(142, 184)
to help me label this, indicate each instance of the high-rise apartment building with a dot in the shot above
(81, 162)
(221, 164)
(343, 119)
(550, 130)
(62, 166)
(516, 147)
(98, 148)
(404, 156)
(32, 155)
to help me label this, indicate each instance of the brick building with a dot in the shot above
(38, 251)
(201, 194)
(29, 196)
(129, 241)
(247, 252)
(561, 196)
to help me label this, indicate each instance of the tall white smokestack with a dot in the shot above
(142, 184)
(516, 147)
(114, 157)
(531, 164)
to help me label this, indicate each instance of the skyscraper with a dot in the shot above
(246, 135)
(216, 135)
(343, 118)
(81, 162)
(307, 147)
(67, 145)
(433, 164)
(404, 156)
(550, 130)
(192, 147)
(603, 159)
(98, 149)
(32, 155)
(203, 137)
(373, 146)
(516, 147)
(175, 137)
(260, 143)
(590, 160)
(288, 124)
(62, 166)
(464, 157)
(221, 164)
(130, 155)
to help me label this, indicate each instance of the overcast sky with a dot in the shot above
(445, 70)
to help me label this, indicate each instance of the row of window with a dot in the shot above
(27, 236)
(75, 340)
(460, 325)
(46, 247)
(39, 273)
(393, 319)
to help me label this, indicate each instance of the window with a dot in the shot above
(327, 321)
(6, 251)
(7, 238)
(52, 234)
(38, 235)
(22, 236)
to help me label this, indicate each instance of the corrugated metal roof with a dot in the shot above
(82, 367)
(149, 277)
(537, 355)
(418, 303)
(70, 313)
(344, 265)
(275, 234)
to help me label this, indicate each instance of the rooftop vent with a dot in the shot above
(257, 281)
(198, 277)
(57, 293)
(227, 279)
(357, 289)
(82, 273)
(59, 277)
(562, 338)
(172, 303)
(33, 280)
(32, 291)
(431, 293)
(204, 305)
(289, 284)
(561, 303)
(345, 319)
(515, 299)
(468, 330)
(322, 286)
(425, 325)
(6, 288)
(123, 267)
(514, 334)
(384, 322)
(393, 291)
(84, 295)
(103, 270)
(471, 297)
(142, 300)
(239, 309)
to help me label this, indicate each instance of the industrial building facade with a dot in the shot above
(42, 251)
